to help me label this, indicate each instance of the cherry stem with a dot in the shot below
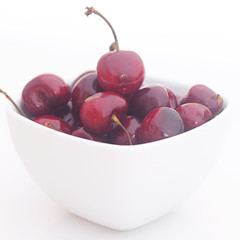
(50, 125)
(10, 99)
(91, 10)
(116, 120)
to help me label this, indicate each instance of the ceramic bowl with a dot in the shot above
(119, 187)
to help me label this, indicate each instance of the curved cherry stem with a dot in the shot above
(10, 99)
(91, 10)
(116, 120)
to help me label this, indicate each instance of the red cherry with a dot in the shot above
(148, 98)
(43, 94)
(204, 95)
(98, 111)
(121, 71)
(83, 133)
(119, 136)
(85, 87)
(53, 122)
(194, 115)
(160, 123)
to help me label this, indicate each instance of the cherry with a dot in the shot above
(119, 136)
(53, 122)
(80, 76)
(68, 115)
(100, 112)
(119, 71)
(194, 115)
(148, 98)
(43, 94)
(172, 98)
(85, 87)
(83, 133)
(204, 95)
(160, 123)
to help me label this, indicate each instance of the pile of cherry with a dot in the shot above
(112, 104)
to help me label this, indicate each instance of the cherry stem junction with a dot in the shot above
(116, 120)
(10, 99)
(91, 10)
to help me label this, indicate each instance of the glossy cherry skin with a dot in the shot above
(148, 98)
(172, 98)
(83, 133)
(68, 115)
(97, 110)
(204, 95)
(53, 122)
(160, 123)
(80, 76)
(194, 115)
(43, 94)
(84, 88)
(119, 136)
(121, 71)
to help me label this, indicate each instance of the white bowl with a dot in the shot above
(119, 187)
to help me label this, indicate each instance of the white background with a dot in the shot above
(186, 41)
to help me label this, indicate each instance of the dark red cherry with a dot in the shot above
(68, 115)
(193, 115)
(121, 71)
(43, 94)
(98, 111)
(204, 95)
(172, 98)
(53, 122)
(80, 76)
(119, 136)
(82, 133)
(85, 87)
(160, 123)
(148, 98)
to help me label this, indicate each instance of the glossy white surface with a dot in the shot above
(193, 43)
